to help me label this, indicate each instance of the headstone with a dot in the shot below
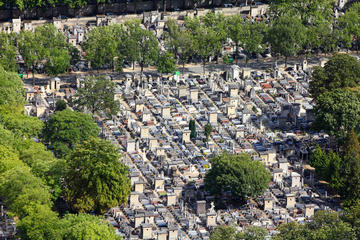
(130, 146)
(268, 204)
(290, 201)
(201, 208)
(186, 136)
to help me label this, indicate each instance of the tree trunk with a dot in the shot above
(164, 6)
(33, 75)
(286, 61)
(183, 68)
(237, 53)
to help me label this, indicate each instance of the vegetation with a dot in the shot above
(341, 71)
(67, 128)
(97, 96)
(96, 179)
(239, 174)
(192, 128)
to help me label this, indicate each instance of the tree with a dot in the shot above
(186, 45)
(97, 96)
(351, 168)
(237, 173)
(13, 119)
(101, 47)
(230, 233)
(166, 63)
(337, 112)
(310, 12)
(341, 71)
(43, 164)
(86, 226)
(252, 37)
(286, 36)
(236, 31)
(207, 44)
(208, 130)
(54, 49)
(40, 224)
(60, 105)
(254, 233)
(67, 128)
(325, 225)
(224, 232)
(96, 179)
(349, 25)
(30, 49)
(148, 49)
(192, 128)
(328, 167)
(7, 52)
(12, 91)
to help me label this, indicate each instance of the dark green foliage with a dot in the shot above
(86, 226)
(60, 105)
(96, 179)
(337, 112)
(11, 90)
(166, 63)
(230, 233)
(286, 36)
(341, 71)
(67, 128)
(328, 167)
(192, 128)
(325, 225)
(244, 177)
(208, 129)
(97, 96)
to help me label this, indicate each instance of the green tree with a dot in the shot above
(67, 128)
(253, 233)
(192, 128)
(252, 38)
(341, 71)
(325, 225)
(85, 226)
(96, 179)
(310, 11)
(186, 45)
(7, 52)
(30, 49)
(166, 63)
(11, 91)
(207, 44)
(20, 124)
(337, 112)
(43, 164)
(224, 232)
(239, 174)
(54, 49)
(351, 168)
(101, 47)
(40, 224)
(60, 105)
(97, 96)
(236, 31)
(208, 129)
(286, 36)
(349, 25)
(328, 166)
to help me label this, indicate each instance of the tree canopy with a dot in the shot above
(237, 173)
(337, 112)
(67, 128)
(96, 179)
(97, 95)
(341, 71)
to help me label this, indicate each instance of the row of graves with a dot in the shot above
(258, 112)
